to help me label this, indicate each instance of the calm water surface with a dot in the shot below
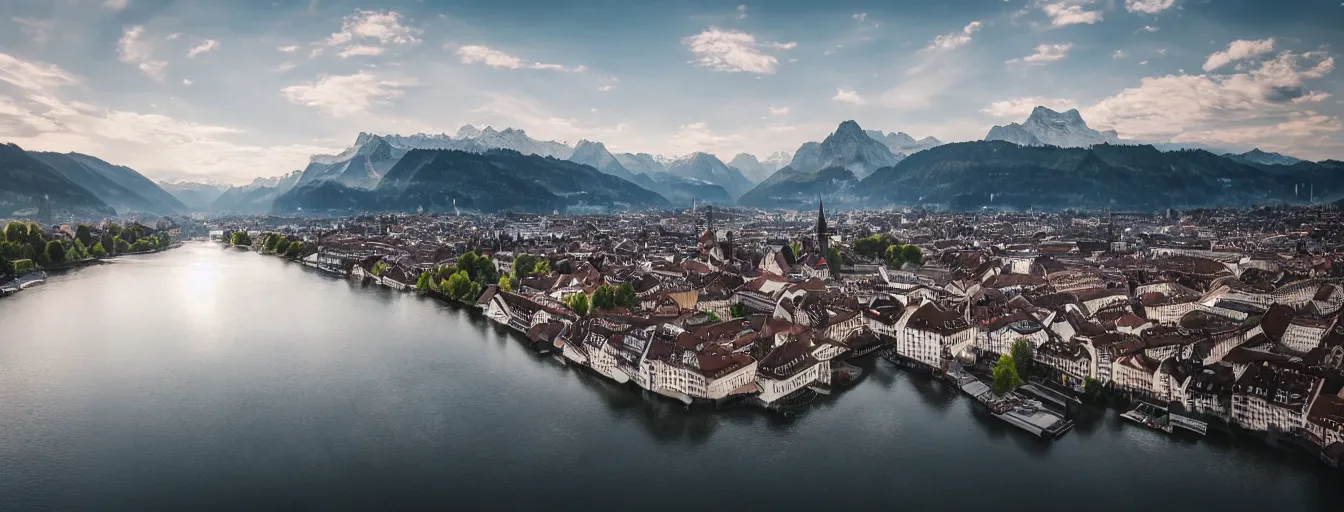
(205, 378)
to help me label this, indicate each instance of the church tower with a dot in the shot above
(823, 241)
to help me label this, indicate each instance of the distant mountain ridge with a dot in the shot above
(26, 181)
(848, 147)
(496, 180)
(197, 197)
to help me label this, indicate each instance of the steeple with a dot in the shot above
(823, 241)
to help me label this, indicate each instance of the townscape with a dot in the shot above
(1223, 318)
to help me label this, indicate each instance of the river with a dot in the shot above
(208, 378)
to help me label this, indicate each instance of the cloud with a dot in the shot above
(742, 12)
(186, 81)
(733, 51)
(39, 31)
(132, 49)
(1045, 53)
(156, 145)
(1239, 50)
(368, 29)
(1020, 108)
(1148, 6)
(360, 50)
(209, 45)
(344, 95)
(115, 5)
(605, 88)
(1266, 105)
(1119, 54)
(1149, 28)
(285, 66)
(34, 76)
(954, 40)
(863, 16)
(477, 54)
(1069, 12)
(287, 49)
(698, 136)
(779, 111)
(848, 96)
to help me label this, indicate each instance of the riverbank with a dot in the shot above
(39, 276)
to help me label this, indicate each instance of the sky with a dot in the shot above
(209, 90)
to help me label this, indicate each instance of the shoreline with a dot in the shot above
(1228, 434)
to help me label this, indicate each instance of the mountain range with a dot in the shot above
(495, 180)
(1051, 160)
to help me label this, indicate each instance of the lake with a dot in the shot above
(210, 378)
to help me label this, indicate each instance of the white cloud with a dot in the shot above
(1267, 105)
(1069, 12)
(1045, 53)
(1119, 54)
(1143, 63)
(156, 145)
(344, 95)
(368, 29)
(699, 137)
(477, 54)
(779, 111)
(954, 40)
(206, 46)
(360, 50)
(848, 96)
(1150, 28)
(39, 31)
(132, 49)
(33, 76)
(115, 5)
(1020, 108)
(863, 16)
(1239, 50)
(186, 81)
(742, 12)
(1148, 6)
(605, 88)
(287, 49)
(173, 36)
(733, 51)
(285, 66)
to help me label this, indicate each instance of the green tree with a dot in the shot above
(98, 251)
(81, 250)
(797, 248)
(1021, 353)
(269, 244)
(115, 229)
(239, 238)
(379, 268)
(83, 234)
(524, 264)
(16, 250)
(625, 296)
(874, 246)
(834, 261)
(16, 232)
(36, 239)
(578, 303)
(131, 234)
(543, 267)
(6, 266)
(295, 250)
(459, 286)
(55, 252)
(122, 246)
(604, 297)
(1005, 376)
(505, 283)
(912, 254)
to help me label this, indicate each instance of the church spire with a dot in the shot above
(823, 240)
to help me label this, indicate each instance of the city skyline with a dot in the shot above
(193, 90)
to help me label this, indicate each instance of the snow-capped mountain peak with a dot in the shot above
(1048, 127)
(849, 147)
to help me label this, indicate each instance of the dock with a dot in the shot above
(1159, 418)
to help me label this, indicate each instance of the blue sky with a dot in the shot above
(229, 91)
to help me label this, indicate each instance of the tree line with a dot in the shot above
(25, 246)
